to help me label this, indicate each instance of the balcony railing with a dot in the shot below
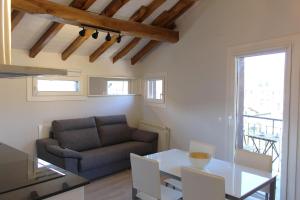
(263, 135)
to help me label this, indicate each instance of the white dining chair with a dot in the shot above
(195, 146)
(146, 180)
(256, 161)
(197, 184)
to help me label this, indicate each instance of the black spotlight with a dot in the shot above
(95, 35)
(108, 37)
(119, 38)
(82, 32)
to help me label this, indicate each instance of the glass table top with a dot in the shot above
(239, 180)
(19, 170)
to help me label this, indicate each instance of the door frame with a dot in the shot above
(290, 126)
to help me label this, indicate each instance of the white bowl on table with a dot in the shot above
(199, 159)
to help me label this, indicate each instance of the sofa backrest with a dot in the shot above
(76, 134)
(113, 129)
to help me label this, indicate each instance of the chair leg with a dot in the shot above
(134, 193)
(267, 196)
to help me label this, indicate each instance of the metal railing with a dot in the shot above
(262, 125)
(263, 135)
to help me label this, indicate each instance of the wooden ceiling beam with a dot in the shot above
(139, 16)
(77, 17)
(124, 51)
(135, 41)
(164, 19)
(168, 21)
(16, 17)
(55, 27)
(109, 11)
(132, 44)
(146, 49)
(82, 4)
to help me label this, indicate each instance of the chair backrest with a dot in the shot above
(145, 175)
(197, 184)
(196, 146)
(253, 160)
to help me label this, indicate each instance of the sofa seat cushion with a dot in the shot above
(106, 155)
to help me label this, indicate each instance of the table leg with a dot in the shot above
(134, 192)
(276, 152)
(253, 141)
(267, 147)
(273, 189)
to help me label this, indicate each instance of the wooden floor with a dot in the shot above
(115, 187)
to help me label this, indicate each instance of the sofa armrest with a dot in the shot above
(70, 164)
(63, 153)
(46, 141)
(144, 136)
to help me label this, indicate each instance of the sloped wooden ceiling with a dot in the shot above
(77, 13)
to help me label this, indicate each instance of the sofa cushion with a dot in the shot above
(113, 129)
(79, 140)
(106, 155)
(72, 124)
(76, 134)
(144, 136)
(109, 120)
(114, 134)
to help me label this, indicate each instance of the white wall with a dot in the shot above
(19, 119)
(196, 67)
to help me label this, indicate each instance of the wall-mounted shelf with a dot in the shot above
(9, 71)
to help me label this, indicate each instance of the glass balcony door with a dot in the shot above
(260, 104)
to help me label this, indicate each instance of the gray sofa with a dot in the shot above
(96, 146)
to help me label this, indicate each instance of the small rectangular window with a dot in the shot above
(118, 87)
(113, 86)
(53, 88)
(58, 86)
(155, 90)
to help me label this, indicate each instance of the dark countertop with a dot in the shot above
(26, 178)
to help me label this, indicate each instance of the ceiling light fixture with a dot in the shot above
(82, 32)
(119, 39)
(95, 35)
(108, 37)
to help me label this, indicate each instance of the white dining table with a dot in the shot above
(240, 181)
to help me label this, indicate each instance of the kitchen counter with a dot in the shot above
(26, 178)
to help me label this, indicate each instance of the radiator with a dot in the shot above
(163, 132)
(43, 131)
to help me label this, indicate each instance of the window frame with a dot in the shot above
(163, 94)
(57, 93)
(34, 95)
